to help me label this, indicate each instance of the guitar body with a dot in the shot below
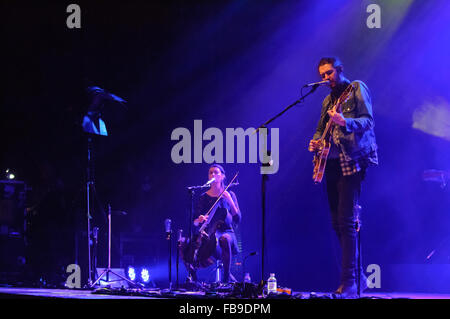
(320, 160)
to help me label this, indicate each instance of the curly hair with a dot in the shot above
(334, 61)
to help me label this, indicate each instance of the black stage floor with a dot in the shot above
(40, 293)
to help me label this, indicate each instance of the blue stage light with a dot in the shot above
(131, 273)
(145, 276)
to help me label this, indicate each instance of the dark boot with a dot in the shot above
(349, 288)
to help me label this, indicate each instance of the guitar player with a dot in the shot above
(353, 148)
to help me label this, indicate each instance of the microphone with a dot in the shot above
(168, 225)
(210, 181)
(316, 84)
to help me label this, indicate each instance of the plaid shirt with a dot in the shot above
(349, 167)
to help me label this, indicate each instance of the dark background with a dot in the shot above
(231, 64)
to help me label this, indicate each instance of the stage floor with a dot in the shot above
(40, 293)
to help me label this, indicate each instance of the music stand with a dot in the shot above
(94, 125)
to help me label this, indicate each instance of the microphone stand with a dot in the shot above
(265, 177)
(264, 180)
(169, 241)
(191, 190)
(180, 234)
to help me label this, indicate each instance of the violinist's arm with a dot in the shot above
(234, 206)
(200, 219)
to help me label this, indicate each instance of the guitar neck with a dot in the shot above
(337, 108)
(327, 129)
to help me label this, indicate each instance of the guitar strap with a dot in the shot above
(334, 99)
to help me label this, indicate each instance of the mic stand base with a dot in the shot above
(109, 271)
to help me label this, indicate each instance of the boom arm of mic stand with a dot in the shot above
(286, 109)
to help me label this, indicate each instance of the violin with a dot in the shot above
(198, 252)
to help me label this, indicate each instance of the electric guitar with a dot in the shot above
(324, 142)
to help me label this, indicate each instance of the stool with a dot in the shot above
(219, 269)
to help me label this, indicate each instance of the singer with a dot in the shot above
(227, 216)
(353, 149)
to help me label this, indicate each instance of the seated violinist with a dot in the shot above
(226, 214)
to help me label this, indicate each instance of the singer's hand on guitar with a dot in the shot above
(337, 118)
(314, 145)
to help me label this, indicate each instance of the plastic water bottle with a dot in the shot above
(272, 284)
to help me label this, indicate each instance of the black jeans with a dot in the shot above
(343, 195)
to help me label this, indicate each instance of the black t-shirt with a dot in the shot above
(222, 217)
